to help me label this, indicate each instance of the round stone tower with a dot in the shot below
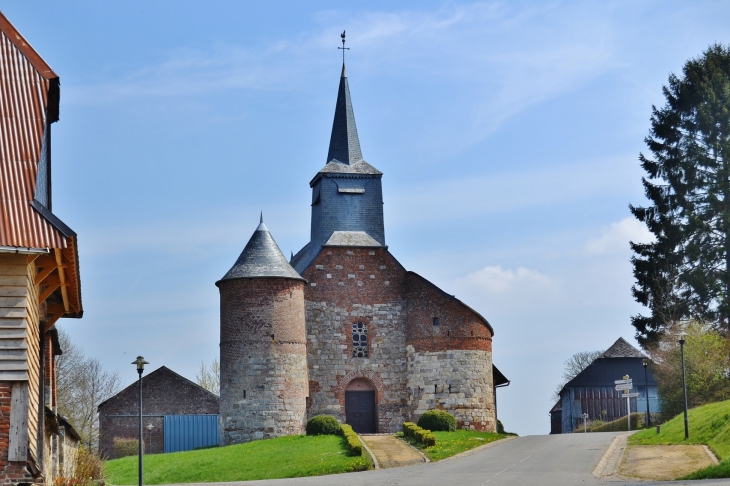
(264, 379)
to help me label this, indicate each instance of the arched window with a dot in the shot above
(359, 340)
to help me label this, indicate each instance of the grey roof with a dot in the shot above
(359, 167)
(344, 142)
(261, 258)
(352, 238)
(622, 349)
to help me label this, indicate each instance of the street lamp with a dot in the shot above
(645, 362)
(684, 384)
(140, 362)
(149, 444)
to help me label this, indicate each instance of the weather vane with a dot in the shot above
(343, 46)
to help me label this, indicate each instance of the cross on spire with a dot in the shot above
(343, 47)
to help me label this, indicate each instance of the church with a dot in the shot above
(342, 328)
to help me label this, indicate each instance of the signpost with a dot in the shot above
(585, 422)
(626, 384)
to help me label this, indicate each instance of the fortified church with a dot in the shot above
(342, 328)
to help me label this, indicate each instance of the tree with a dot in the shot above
(707, 361)
(685, 272)
(81, 387)
(210, 377)
(572, 368)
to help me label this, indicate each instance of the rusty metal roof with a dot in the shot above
(29, 97)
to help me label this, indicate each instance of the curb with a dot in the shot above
(372, 456)
(611, 460)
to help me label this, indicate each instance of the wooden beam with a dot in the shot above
(45, 261)
(32, 258)
(51, 321)
(18, 440)
(62, 276)
(47, 293)
(43, 274)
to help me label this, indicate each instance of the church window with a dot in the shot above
(435, 321)
(359, 340)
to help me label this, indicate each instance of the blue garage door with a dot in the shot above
(187, 432)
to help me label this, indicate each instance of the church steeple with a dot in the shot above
(344, 142)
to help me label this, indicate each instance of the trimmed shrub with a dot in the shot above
(419, 435)
(323, 425)
(437, 421)
(354, 446)
(124, 447)
(500, 427)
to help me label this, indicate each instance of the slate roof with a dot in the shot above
(261, 258)
(622, 349)
(344, 142)
(352, 238)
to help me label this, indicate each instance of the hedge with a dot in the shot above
(416, 433)
(323, 425)
(124, 447)
(354, 446)
(437, 421)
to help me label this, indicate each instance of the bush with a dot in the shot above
(124, 447)
(87, 469)
(500, 427)
(354, 446)
(323, 425)
(419, 435)
(618, 425)
(437, 421)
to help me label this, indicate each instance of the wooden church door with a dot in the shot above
(360, 411)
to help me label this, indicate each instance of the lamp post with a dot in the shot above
(149, 443)
(684, 384)
(645, 363)
(140, 362)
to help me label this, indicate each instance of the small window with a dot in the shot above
(359, 340)
(435, 321)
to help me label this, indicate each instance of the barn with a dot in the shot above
(177, 414)
(593, 391)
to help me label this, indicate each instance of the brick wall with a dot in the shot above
(164, 392)
(408, 355)
(16, 471)
(264, 380)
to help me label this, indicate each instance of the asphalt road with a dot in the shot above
(549, 460)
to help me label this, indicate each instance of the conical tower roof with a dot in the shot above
(344, 142)
(261, 258)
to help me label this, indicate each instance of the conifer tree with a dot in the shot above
(685, 272)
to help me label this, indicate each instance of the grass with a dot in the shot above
(283, 457)
(708, 424)
(451, 443)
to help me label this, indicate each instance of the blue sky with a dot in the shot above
(508, 132)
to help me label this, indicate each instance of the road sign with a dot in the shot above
(624, 387)
(631, 395)
(623, 382)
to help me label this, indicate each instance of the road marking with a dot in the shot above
(526, 458)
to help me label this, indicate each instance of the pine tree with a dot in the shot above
(685, 272)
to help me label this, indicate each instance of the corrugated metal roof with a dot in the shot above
(28, 105)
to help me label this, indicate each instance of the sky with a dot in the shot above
(508, 134)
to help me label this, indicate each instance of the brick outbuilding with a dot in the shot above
(164, 394)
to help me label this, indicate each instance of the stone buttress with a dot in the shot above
(263, 358)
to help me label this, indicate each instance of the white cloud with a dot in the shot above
(615, 239)
(496, 282)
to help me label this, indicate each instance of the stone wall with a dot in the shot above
(458, 381)
(264, 380)
(347, 286)
(164, 392)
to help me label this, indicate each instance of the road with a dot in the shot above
(545, 460)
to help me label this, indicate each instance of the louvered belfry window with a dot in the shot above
(359, 340)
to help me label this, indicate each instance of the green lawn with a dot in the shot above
(283, 457)
(708, 424)
(451, 443)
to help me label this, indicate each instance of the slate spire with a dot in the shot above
(344, 143)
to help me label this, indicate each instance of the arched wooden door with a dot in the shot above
(360, 412)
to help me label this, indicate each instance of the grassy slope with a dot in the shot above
(283, 457)
(708, 424)
(451, 443)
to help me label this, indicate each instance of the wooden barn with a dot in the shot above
(39, 268)
(593, 390)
